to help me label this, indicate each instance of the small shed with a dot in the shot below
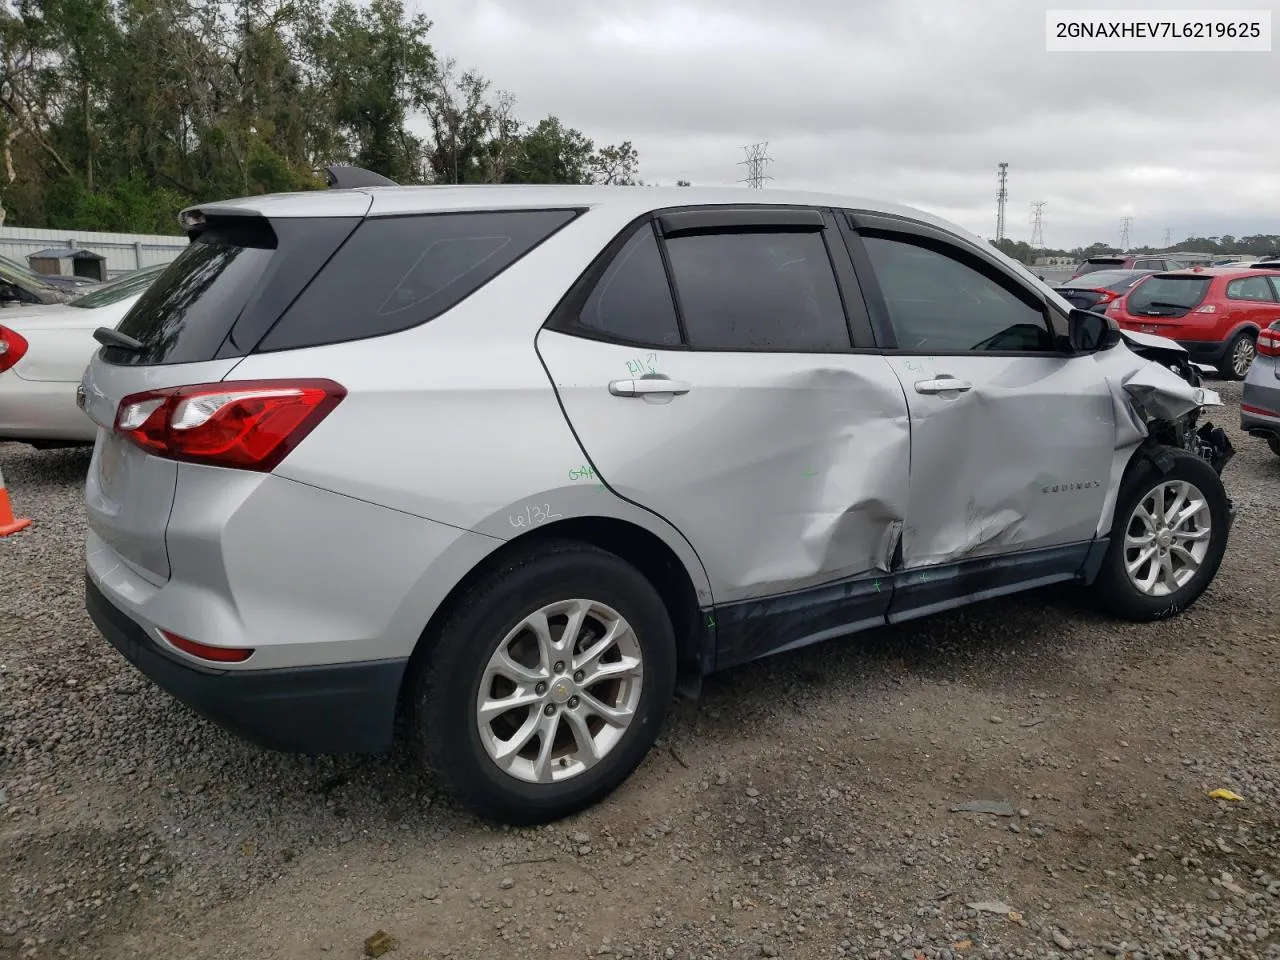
(69, 261)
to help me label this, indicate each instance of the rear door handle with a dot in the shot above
(943, 384)
(648, 386)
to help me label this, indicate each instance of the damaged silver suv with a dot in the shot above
(514, 464)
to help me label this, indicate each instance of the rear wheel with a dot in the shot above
(1274, 444)
(1238, 357)
(1167, 539)
(547, 684)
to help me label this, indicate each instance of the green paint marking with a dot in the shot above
(711, 621)
(811, 473)
(877, 586)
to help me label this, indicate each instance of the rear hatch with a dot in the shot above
(195, 323)
(1160, 302)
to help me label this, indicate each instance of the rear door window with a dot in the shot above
(758, 291)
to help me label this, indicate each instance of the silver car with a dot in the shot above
(1260, 394)
(518, 463)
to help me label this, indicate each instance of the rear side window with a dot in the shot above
(1275, 286)
(1165, 294)
(394, 273)
(185, 314)
(758, 291)
(1250, 288)
(633, 301)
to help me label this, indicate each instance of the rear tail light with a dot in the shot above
(1207, 308)
(246, 424)
(13, 347)
(1105, 296)
(1115, 306)
(1269, 341)
(206, 652)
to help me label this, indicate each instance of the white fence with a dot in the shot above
(125, 252)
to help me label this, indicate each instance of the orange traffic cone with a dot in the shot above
(8, 522)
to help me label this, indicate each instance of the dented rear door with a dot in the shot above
(1012, 439)
(739, 411)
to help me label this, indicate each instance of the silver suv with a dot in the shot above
(515, 464)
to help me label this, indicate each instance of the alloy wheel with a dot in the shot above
(560, 691)
(1167, 538)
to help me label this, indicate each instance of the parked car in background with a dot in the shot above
(1125, 262)
(1260, 395)
(43, 354)
(1265, 265)
(1214, 312)
(1094, 290)
(21, 289)
(515, 462)
(72, 284)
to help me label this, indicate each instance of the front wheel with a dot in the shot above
(1167, 539)
(547, 684)
(1239, 356)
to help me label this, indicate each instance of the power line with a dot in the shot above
(1001, 198)
(1037, 224)
(757, 157)
(1125, 223)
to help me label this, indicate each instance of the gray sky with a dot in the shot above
(913, 101)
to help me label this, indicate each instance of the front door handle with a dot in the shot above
(648, 386)
(943, 384)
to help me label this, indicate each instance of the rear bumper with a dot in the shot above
(336, 708)
(1204, 351)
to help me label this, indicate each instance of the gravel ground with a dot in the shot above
(803, 808)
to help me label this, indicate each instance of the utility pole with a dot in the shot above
(757, 157)
(1125, 223)
(1037, 224)
(1001, 198)
(1168, 238)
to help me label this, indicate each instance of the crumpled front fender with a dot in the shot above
(1162, 394)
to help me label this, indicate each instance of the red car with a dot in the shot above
(1214, 312)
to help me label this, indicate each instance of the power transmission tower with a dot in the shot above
(1001, 198)
(757, 157)
(1037, 224)
(1168, 238)
(1125, 223)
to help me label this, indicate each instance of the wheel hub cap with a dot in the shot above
(560, 691)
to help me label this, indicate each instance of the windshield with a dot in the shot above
(117, 290)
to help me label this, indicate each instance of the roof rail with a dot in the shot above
(342, 177)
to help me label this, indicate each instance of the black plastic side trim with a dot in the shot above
(721, 219)
(340, 708)
(921, 592)
(751, 629)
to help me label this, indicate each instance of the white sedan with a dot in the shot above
(43, 353)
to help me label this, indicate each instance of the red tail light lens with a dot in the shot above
(1105, 296)
(1269, 341)
(13, 347)
(246, 424)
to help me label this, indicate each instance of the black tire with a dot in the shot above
(1225, 366)
(446, 682)
(1274, 444)
(1113, 588)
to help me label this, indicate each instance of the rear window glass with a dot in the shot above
(187, 311)
(394, 273)
(1168, 293)
(1100, 279)
(1093, 264)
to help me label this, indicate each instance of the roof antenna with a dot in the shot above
(342, 177)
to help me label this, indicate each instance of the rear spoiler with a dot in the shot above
(341, 177)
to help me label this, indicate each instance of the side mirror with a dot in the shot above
(1090, 332)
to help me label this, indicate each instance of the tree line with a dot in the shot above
(115, 114)
(1259, 245)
